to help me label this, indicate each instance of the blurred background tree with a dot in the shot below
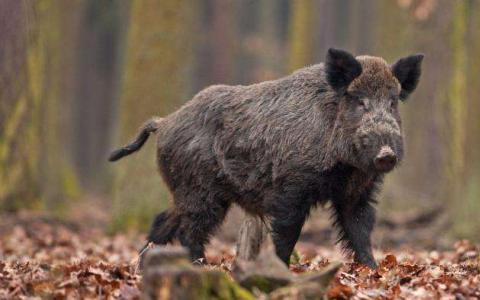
(79, 77)
(36, 44)
(158, 51)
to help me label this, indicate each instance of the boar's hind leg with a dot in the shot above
(356, 222)
(164, 227)
(198, 223)
(287, 223)
(162, 231)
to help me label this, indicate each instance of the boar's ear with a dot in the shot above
(341, 68)
(408, 71)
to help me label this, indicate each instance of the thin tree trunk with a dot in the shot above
(100, 36)
(301, 42)
(158, 51)
(251, 237)
(33, 170)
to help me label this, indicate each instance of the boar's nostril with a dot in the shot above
(385, 160)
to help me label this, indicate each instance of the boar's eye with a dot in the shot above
(358, 101)
(393, 104)
(362, 103)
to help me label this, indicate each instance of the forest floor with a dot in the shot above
(44, 258)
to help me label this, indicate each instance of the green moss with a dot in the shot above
(219, 286)
(295, 257)
(261, 283)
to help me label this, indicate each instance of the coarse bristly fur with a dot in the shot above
(326, 133)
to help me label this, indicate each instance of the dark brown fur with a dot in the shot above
(279, 148)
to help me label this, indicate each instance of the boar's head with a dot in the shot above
(367, 133)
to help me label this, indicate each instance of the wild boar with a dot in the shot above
(326, 133)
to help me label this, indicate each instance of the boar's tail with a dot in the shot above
(150, 126)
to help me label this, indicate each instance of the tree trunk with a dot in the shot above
(158, 50)
(457, 98)
(169, 274)
(251, 237)
(100, 37)
(301, 41)
(34, 172)
(258, 267)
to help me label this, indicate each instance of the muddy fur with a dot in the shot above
(279, 148)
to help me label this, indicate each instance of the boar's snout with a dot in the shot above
(385, 160)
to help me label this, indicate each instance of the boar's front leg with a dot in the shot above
(288, 216)
(356, 219)
(286, 232)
